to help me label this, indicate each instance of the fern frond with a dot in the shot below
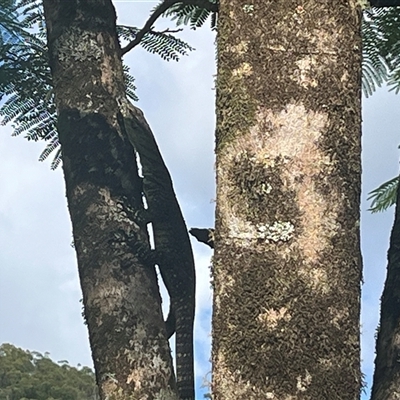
(381, 48)
(213, 21)
(130, 87)
(384, 196)
(54, 144)
(56, 159)
(374, 66)
(199, 17)
(193, 15)
(25, 80)
(394, 80)
(15, 106)
(167, 46)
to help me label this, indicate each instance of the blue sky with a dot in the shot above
(40, 305)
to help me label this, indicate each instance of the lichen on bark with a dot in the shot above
(122, 305)
(287, 263)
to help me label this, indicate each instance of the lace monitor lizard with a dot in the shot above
(173, 251)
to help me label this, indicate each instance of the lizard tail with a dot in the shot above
(184, 354)
(184, 366)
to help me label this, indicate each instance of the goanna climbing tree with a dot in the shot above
(104, 193)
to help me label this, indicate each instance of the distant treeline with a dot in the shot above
(30, 375)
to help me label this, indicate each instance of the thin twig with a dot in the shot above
(167, 31)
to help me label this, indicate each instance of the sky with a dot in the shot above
(40, 308)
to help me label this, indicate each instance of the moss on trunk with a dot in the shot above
(122, 305)
(287, 264)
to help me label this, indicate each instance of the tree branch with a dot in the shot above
(160, 10)
(167, 31)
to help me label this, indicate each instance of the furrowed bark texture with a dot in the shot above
(386, 383)
(287, 264)
(120, 294)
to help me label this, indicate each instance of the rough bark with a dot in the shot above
(386, 382)
(287, 264)
(120, 293)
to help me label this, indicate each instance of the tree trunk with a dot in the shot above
(120, 292)
(287, 264)
(386, 382)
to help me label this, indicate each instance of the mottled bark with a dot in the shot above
(120, 294)
(287, 265)
(386, 382)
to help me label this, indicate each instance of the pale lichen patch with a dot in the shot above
(303, 382)
(295, 137)
(292, 134)
(106, 296)
(248, 9)
(305, 76)
(233, 386)
(78, 45)
(109, 384)
(317, 230)
(326, 363)
(325, 42)
(240, 48)
(244, 70)
(245, 233)
(278, 231)
(363, 4)
(270, 318)
(311, 67)
(288, 139)
(316, 278)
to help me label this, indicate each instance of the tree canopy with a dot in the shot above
(31, 375)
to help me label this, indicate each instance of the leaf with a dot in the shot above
(167, 46)
(381, 49)
(26, 82)
(384, 196)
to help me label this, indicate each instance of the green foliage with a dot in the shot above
(25, 78)
(384, 196)
(193, 15)
(8, 25)
(374, 67)
(167, 46)
(381, 63)
(30, 375)
(381, 48)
